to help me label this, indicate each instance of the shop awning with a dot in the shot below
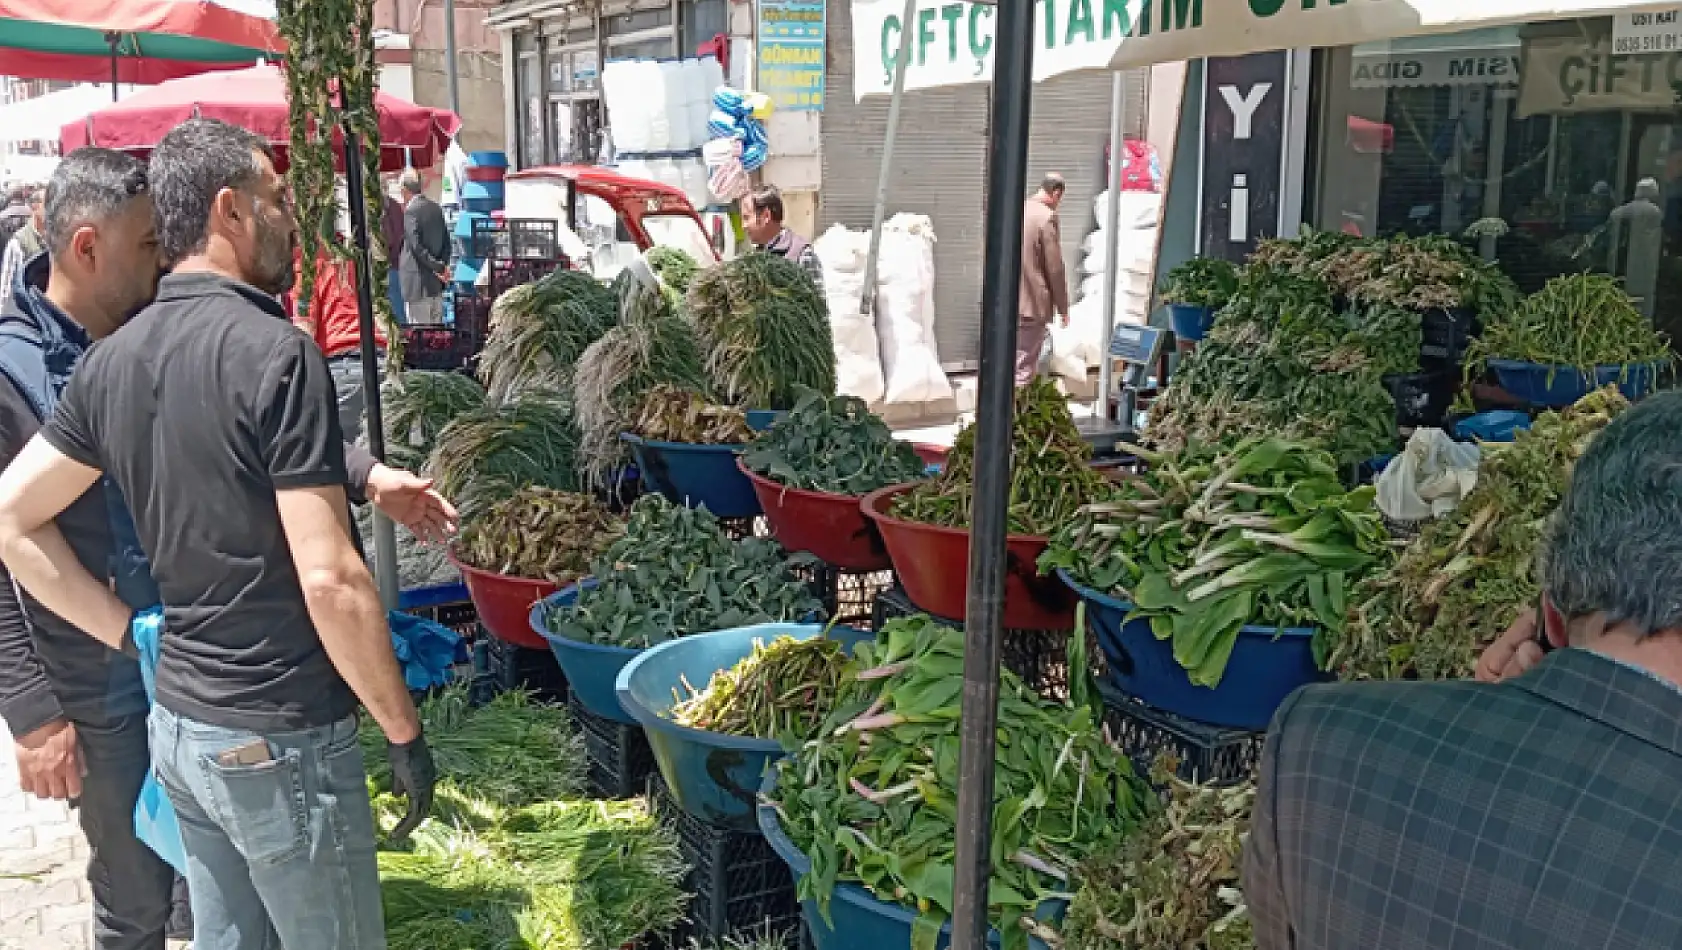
(1188, 29)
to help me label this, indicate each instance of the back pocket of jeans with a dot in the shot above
(261, 807)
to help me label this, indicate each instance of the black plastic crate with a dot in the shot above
(515, 667)
(441, 349)
(752, 526)
(738, 882)
(515, 239)
(1423, 399)
(1446, 335)
(1039, 657)
(459, 616)
(617, 757)
(850, 596)
(1206, 753)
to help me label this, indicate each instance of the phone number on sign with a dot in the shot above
(1666, 43)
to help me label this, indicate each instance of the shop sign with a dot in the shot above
(1448, 67)
(790, 47)
(1567, 75)
(1657, 32)
(1243, 153)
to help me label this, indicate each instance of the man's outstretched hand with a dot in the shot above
(410, 500)
(412, 776)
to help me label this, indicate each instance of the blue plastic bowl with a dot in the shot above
(861, 920)
(483, 189)
(464, 223)
(1497, 425)
(490, 159)
(1531, 382)
(761, 419)
(1190, 322)
(1267, 665)
(591, 669)
(696, 475)
(483, 205)
(712, 775)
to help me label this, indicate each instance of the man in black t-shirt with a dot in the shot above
(217, 421)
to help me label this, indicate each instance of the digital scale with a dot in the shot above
(1138, 348)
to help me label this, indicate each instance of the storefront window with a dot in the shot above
(531, 98)
(1534, 143)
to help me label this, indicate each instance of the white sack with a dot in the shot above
(1429, 478)
(858, 360)
(1139, 209)
(905, 312)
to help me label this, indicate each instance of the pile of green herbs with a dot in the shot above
(416, 406)
(1174, 884)
(1051, 474)
(764, 330)
(1580, 321)
(1201, 282)
(511, 857)
(652, 345)
(873, 799)
(1283, 360)
(669, 414)
(675, 572)
(1428, 272)
(1464, 580)
(779, 691)
(488, 454)
(540, 329)
(1212, 540)
(675, 268)
(539, 532)
(833, 444)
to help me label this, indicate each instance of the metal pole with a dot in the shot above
(867, 302)
(113, 40)
(450, 55)
(1112, 243)
(1007, 160)
(385, 534)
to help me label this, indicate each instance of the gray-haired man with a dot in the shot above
(425, 255)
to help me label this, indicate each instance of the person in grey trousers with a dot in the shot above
(426, 253)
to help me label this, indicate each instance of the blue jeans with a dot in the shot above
(279, 854)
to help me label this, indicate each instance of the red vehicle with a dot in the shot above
(614, 216)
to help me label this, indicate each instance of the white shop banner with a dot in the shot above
(1564, 75)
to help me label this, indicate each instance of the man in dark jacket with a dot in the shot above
(426, 254)
(762, 219)
(1044, 290)
(77, 710)
(1539, 813)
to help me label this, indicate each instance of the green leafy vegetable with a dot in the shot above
(764, 328)
(539, 532)
(1201, 282)
(833, 444)
(417, 405)
(540, 329)
(1580, 321)
(781, 690)
(490, 453)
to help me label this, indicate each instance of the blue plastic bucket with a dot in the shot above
(696, 475)
(483, 189)
(714, 776)
(591, 669)
(861, 920)
(1190, 322)
(492, 159)
(1267, 665)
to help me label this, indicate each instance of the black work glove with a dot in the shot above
(412, 776)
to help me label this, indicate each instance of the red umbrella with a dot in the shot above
(254, 99)
(134, 41)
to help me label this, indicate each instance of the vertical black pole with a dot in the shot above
(364, 291)
(112, 38)
(1007, 151)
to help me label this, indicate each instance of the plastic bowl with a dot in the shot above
(712, 775)
(1191, 323)
(592, 670)
(862, 921)
(825, 524)
(504, 603)
(1542, 385)
(437, 595)
(1267, 665)
(696, 475)
(933, 566)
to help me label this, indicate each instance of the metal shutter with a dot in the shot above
(1069, 127)
(939, 169)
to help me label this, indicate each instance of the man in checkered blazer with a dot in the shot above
(1543, 812)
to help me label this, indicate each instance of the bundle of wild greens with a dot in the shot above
(1466, 577)
(488, 454)
(1210, 541)
(650, 346)
(873, 799)
(417, 405)
(1174, 884)
(675, 268)
(1416, 273)
(670, 414)
(540, 329)
(833, 444)
(1201, 282)
(674, 573)
(764, 328)
(1282, 360)
(1581, 321)
(1051, 472)
(539, 532)
(778, 691)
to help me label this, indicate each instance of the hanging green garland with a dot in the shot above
(330, 60)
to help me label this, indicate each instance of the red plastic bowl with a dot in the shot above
(933, 566)
(825, 524)
(504, 603)
(930, 453)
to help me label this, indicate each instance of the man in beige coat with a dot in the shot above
(1044, 292)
